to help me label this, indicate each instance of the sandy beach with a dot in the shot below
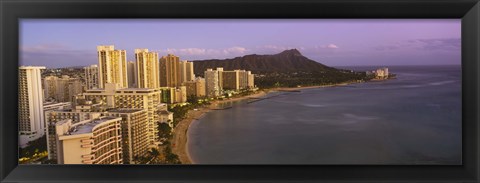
(180, 134)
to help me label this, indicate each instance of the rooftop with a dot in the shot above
(87, 127)
(123, 110)
(135, 89)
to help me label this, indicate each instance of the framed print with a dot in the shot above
(377, 91)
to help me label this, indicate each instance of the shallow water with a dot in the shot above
(414, 119)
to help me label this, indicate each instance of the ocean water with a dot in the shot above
(414, 119)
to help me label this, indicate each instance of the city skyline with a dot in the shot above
(331, 42)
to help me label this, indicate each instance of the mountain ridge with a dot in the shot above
(286, 61)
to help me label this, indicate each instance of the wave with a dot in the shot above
(442, 82)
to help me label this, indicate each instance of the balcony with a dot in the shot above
(86, 141)
(88, 156)
(86, 145)
(87, 161)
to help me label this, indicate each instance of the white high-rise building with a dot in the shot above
(30, 104)
(212, 82)
(91, 77)
(112, 65)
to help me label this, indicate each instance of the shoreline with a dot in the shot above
(311, 87)
(180, 132)
(180, 140)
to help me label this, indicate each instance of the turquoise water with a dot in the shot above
(414, 119)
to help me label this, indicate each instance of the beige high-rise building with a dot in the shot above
(134, 133)
(61, 89)
(212, 83)
(96, 141)
(131, 98)
(169, 71)
(186, 71)
(147, 69)
(91, 77)
(237, 80)
(196, 87)
(220, 77)
(52, 117)
(112, 65)
(132, 74)
(231, 80)
(251, 80)
(190, 71)
(243, 79)
(30, 104)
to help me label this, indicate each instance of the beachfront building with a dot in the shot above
(30, 104)
(213, 83)
(112, 65)
(147, 69)
(237, 80)
(168, 95)
(196, 87)
(243, 79)
(52, 117)
(250, 80)
(61, 89)
(131, 98)
(231, 80)
(96, 141)
(169, 71)
(132, 74)
(186, 71)
(181, 94)
(134, 125)
(91, 77)
(381, 73)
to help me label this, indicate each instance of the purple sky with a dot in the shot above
(59, 43)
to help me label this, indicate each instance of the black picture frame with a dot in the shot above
(13, 10)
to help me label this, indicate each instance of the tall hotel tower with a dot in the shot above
(169, 71)
(91, 77)
(147, 69)
(186, 71)
(212, 82)
(112, 66)
(30, 104)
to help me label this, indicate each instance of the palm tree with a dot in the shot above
(154, 155)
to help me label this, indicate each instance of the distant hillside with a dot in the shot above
(286, 61)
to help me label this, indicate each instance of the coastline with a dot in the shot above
(180, 134)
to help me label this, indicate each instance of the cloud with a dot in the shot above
(43, 48)
(55, 55)
(439, 44)
(332, 46)
(442, 44)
